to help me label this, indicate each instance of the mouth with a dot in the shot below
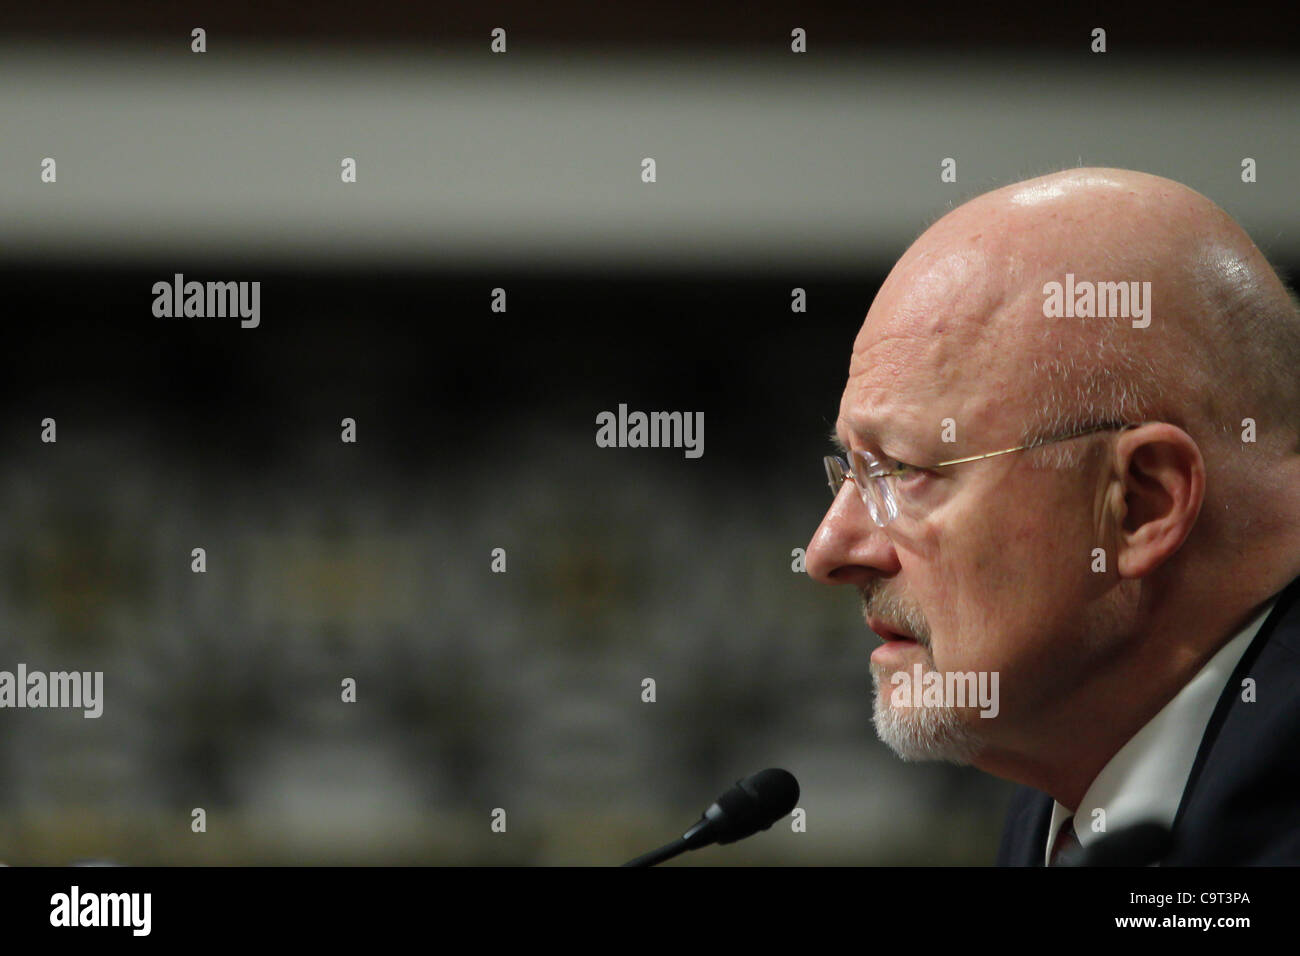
(889, 633)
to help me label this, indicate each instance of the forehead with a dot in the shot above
(930, 345)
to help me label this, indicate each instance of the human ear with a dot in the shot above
(1163, 479)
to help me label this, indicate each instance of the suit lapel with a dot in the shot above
(1024, 838)
(1231, 692)
(1238, 805)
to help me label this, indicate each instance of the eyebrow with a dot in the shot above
(844, 449)
(871, 440)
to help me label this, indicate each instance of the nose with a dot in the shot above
(848, 547)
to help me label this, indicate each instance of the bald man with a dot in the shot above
(1069, 467)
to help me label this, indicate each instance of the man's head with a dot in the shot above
(1070, 567)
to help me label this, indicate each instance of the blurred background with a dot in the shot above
(475, 429)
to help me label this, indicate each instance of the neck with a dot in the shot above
(1068, 744)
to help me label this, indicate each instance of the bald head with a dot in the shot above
(1220, 341)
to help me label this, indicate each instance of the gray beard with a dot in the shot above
(915, 733)
(922, 733)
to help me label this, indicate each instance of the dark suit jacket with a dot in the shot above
(1241, 806)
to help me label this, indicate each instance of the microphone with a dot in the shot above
(753, 804)
(1139, 845)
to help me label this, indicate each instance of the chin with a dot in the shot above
(924, 733)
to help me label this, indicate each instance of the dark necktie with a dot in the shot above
(1066, 841)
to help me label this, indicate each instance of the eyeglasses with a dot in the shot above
(877, 479)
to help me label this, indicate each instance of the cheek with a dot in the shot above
(997, 587)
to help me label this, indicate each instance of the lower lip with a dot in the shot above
(892, 649)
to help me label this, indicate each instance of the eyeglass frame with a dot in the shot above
(847, 473)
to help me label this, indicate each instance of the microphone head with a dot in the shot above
(1139, 845)
(753, 804)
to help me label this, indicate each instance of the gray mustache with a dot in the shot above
(889, 608)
